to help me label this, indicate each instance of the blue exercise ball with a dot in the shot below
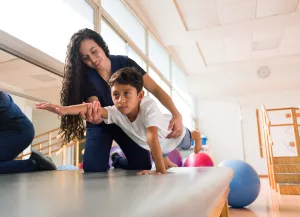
(245, 185)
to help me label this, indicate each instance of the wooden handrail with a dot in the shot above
(51, 131)
(48, 145)
(281, 109)
(268, 143)
(281, 125)
(259, 134)
(52, 151)
(55, 144)
(290, 115)
(37, 144)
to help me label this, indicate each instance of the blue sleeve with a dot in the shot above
(88, 90)
(132, 63)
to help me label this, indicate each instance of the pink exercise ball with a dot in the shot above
(198, 160)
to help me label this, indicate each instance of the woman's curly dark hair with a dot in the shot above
(72, 126)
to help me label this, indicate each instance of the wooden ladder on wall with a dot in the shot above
(50, 143)
(283, 172)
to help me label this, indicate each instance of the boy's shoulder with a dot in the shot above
(149, 107)
(147, 103)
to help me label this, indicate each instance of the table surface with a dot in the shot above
(182, 192)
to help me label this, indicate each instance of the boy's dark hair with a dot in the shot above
(127, 75)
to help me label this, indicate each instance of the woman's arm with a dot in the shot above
(165, 99)
(4, 101)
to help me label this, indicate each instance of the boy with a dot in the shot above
(139, 117)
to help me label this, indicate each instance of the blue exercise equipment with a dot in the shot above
(245, 185)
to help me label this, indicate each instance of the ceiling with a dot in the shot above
(221, 44)
(23, 77)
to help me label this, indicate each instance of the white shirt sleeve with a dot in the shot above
(112, 115)
(153, 117)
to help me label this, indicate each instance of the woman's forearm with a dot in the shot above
(82, 108)
(161, 95)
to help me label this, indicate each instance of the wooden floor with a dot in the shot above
(270, 204)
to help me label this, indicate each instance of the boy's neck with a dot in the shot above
(134, 113)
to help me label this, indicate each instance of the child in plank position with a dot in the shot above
(139, 117)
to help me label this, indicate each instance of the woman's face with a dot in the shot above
(93, 55)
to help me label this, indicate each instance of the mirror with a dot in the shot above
(27, 84)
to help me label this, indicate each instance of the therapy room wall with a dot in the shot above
(231, 127)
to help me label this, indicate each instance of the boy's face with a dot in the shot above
(125, 98)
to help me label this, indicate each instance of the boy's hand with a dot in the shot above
(51, 108)
(147, 172)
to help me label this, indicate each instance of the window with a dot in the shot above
(139, 60)
(127, 21)
(154, 76)
(46, 25)
(159, 57)
(159, 82)
(194, 125)
(115, 43)
(179, 80)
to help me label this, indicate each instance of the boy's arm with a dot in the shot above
(70, 110)
(152, 140)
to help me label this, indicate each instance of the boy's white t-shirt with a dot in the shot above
(149, 115)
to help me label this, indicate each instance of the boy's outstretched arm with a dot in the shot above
(71, 110)
(152, 140)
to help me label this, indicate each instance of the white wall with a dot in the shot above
(230, 136)
(219, 121)
(44, 121)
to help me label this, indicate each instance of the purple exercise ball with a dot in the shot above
(175, 157)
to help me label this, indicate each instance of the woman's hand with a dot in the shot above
(59, 110)
(176, 123)
(176, 127)
(93, 113)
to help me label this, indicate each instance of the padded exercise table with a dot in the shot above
(183, 192)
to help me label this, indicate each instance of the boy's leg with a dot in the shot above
(169, 163)
(97, 148)
(137, 158)
(186, 141)
(198, 143)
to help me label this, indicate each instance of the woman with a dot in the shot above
(16, 134)
(88, 68)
